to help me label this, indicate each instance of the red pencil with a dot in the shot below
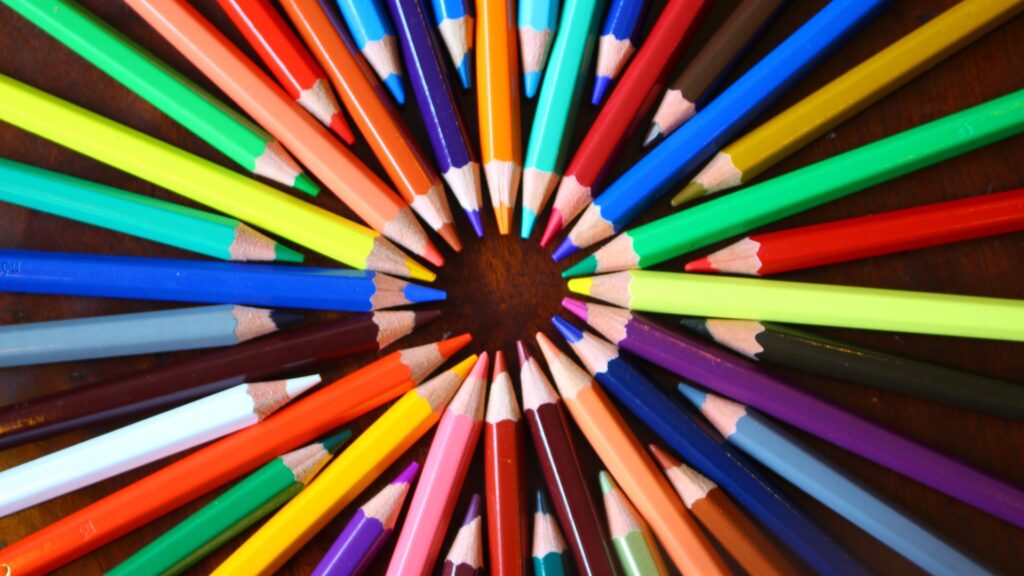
(627, 107)
(874, 235)
(289, 61)
(506, 514)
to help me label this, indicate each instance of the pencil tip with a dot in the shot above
(601, 84)
(653, 134)
(523, 351)
(696, 397)
(664, 459)
(394, 84)
(700, 265)
(564, 250)
(553, 227)
(305, 183)
(586, 266)
(417, 294)
(531, 81)
(448, 234)
(571, 333)
(335, 441)
(341, 129)
(285, 318)
(526, 226)
(464, 72)
(541, 502)
(476, 222)
(605, 480)
(433, 255)
(407, 475)
(577, 308)
(422, 317)
(691, 192)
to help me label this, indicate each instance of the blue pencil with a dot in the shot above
(455, 24)
(272, 285)
(375, 36)
(776, 449)
(669, 163)
(708, 453)
(538, 20)
(620, 36)
(436, 101)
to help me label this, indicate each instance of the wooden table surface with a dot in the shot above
(501, 288)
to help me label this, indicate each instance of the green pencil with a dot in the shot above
(633, 541)
(805, 303)
(163, 87)
(232, 512)
(559, 99)
(548, 544)
(128, 213)
(808, 187)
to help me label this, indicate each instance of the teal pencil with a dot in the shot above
(165, 222)
(548, 545)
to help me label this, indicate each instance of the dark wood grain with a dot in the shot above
(501, 289)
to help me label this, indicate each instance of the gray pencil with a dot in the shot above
(141, 333)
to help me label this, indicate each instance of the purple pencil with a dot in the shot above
(730, 375)
(368, 530)
(466, 556)
(436, 101)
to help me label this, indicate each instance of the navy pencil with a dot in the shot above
(210, 282)
(435, 97)
(620, 35)
(708, 453)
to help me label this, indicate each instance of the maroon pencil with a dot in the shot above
(173, 384)
(466, 556)
(575, 506)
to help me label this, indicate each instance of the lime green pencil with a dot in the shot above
(165, 222)
(633, 541)
(249, 501)
(805, 303)
(808, 187)
(163, 87)
(559, 99)
(202, 181)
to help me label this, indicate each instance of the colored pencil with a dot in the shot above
(885, 72)
(378, 121)
(620, 35)
(497, 70)
(794, 461)
(177, 280)
(723, 519)
(289, 61)
(149, 218)
(201, 180)
(137, 333)
(368, 530)
(806, 303)
(231, 513)
(549, 548)
(145, 441)
(162, 86)
(786, 346)
(220, 462)
(353, 182)
(437, 106)
(711, 455)
(374, 35)
(466, 556)
(811, 186)
(696, 83)
(560, 465)
(620, 117)
(638, 552)
(730, 112)
(559, 100)
(433, 502)
(454, 21)
(867, 236)
(176, 383)
(628, 462)
(503, 476)
(538, 20)
(371, 453)
(728, 374)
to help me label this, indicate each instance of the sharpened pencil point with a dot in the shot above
(408, 474)
(448, 348)
(305, 183)
(586, 266)
(531, 82)
(601, 84)
(285, 318)
(691, 192)
(417, 294)
(523, 352)
(577, 308)
(418, 272)
(465, 77)
(605, 479)
(448, 233)
(394, 84)
(283, 253)
(696, 397)
(335, 441)
(526, 226)
(700, 265)
(476, 222)
(581, 285)
(564, 250)
(554, 226)
(340, 128)
(697, 325)
(541, 502)
(571, 333)
(433, 255)
(652, 135)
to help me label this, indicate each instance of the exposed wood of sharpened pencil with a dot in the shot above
(549, 548)
(371, 28)
(620, 36)
(538, 20)
(466, 555)
(455, 25)
(635, 545)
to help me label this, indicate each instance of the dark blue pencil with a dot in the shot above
(211, 282)
(435, 98)
(666, 166)
(706, 451)
(620, 36)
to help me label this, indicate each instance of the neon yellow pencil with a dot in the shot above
(350, 473)
(201, 180)
(804, 303)
(911, 56)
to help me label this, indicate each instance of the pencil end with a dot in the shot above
(691, 192)
(564, 250)
(341, 128)
(395, 86)
(601, 84)
(581, 285)
(553, 227)
(465, 75)
(450, 236)
(526, 226)
(582, 268)
(577, 308)
(700, 265)
(305, 183)
(531, 82)
(652, 135)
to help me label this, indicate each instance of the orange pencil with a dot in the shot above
(312, 145)
(632, 468)
(497, 78)
(723, 519)
(289, 61)
(374, 115)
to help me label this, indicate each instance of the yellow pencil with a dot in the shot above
(348, 475)
(847, 95)
(201, 180)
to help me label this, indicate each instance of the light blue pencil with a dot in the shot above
(455, 24)
(375, 36)
(775, 448)
(538, 20)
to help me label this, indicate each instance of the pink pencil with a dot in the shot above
(432, 505)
